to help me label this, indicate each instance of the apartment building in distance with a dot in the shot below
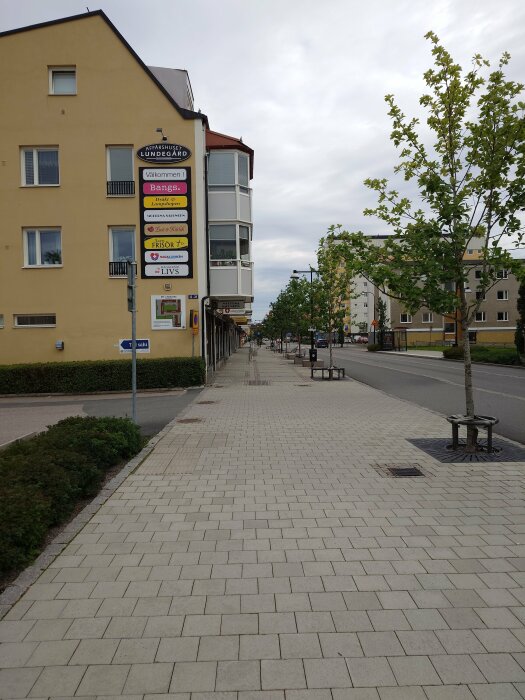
(104, 160)
(494, 323)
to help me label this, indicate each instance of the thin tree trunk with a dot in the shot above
(472, 431)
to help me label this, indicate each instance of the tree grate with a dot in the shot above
(439, 448)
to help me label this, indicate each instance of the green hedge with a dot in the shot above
(43, 479)
(100, 375)
(482, 353)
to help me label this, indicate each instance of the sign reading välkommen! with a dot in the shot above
(165, 216)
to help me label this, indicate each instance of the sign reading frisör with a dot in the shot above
(166, 226)
(163, 153)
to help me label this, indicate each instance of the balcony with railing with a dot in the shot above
(118, 269)
(120, 188)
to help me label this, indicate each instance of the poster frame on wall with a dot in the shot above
(174, 318)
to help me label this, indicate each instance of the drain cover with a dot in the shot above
(189, 420)
(405, 471)
(258, 382)
(207, 403)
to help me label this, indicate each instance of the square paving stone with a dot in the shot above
(103, 680)
(238, 675)
(286, 674)
(456, 669)
(259, 646)
(193, 676)
(327, 673)
(58, 681)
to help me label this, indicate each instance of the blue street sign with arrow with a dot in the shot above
(142, 345)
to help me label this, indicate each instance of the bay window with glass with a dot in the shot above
(229, 243)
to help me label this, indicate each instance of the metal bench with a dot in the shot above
(485, 422)
(331, 372)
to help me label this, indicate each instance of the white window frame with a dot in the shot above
(61, 69)
(430, 317)
(36, 150)
(505, 315)
(34, 325)
(483, 316)
(502, 274)
(109, 178)
(121, 227)
(39, 230)
(504, 295)
(408, 318)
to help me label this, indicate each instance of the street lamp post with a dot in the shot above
(295, 276)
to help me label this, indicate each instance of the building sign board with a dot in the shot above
(165, 212)
(166, 257)
(165, 243)
(168, 312)
(166, 270)
(230, 304)
(167, 229)
(163, 153)
(164, 188)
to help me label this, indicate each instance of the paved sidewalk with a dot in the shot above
(260, 552)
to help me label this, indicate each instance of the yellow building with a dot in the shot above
(102, 159)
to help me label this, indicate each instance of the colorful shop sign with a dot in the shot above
(166, 230)
(163, 153)
(165, 208)
(164, 188)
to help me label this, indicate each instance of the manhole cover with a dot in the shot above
(405, 471)
(189, 420)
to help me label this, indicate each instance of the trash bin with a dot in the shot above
(313, 354)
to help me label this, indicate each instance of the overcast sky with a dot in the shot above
(303, 83)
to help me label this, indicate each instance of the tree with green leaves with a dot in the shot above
(468, 165)
(520, 322)
(334, 284)
(382, 319)
(290, 312)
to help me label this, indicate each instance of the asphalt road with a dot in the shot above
(20, 416)
(438, 384)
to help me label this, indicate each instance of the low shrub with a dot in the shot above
(454, 352)
(42, 479)
(373, 347)
(100, 375)
(482, 353)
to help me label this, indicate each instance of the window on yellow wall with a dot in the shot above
(62, 80)
(42, 247)
(40, 166)
(120, 178)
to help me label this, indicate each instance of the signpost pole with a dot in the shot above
(132, 306)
